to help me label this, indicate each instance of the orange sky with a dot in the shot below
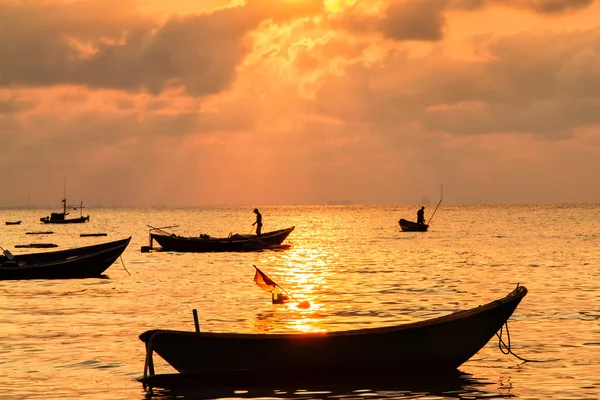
(267, 102)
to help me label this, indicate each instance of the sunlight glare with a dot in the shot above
(336, 6)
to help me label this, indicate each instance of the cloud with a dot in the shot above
(550, 7)
(425, 20)
(523, 85)
(101, 45)
(12, 105)
(414, 20)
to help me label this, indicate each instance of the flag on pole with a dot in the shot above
(263, 281)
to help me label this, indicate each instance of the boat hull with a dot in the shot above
(79, 220)
(410, 226)
(233, 243)
(13, 222)
(82, 262)
(441, 344)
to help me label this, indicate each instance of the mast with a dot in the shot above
(65, 199)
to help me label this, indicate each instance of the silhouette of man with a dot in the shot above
(258, 221)
(421, 215)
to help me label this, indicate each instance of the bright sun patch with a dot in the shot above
(336, 6)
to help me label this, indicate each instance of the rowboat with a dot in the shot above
(205, 243)
(435, 345)
(12, 222)
(410, 226)
(81, 262)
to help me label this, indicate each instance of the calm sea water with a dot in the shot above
(76, 339)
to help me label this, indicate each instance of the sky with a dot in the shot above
(298, 102)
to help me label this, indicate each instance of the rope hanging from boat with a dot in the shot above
(149, 362)
(505, 348)
(122, 263)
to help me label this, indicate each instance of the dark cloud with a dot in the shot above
(13, 105)
(525, 86)
(552, 7)
(100, 45)
(424, 20)
(414, 20)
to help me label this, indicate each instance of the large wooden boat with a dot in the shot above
(410, 226)
(61, 217)
(81, 262)
(205, 243)
(435, 345)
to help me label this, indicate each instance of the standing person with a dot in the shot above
(421, 215)
(258, 221)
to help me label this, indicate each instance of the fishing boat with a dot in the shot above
(81, 262)
(410, 226)
(61, 217)
(13, 222)
(205, 243)
(439, 344)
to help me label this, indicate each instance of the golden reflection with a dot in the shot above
(305, 325)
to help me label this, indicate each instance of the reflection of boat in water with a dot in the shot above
(61, 217)
(436, 345)
(453, 385)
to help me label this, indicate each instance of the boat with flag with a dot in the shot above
(439, 345)
(61, 217)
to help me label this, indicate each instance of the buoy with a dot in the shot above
(304, 304)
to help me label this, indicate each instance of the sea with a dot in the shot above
(78, 339)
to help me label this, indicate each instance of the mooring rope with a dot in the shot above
(505, 348)
(122, 263)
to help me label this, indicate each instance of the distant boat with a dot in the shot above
(205, 243)
(61, 217)
(36, 245)
(81, 262)
(13, 222)
(410, 226)
(439, 345)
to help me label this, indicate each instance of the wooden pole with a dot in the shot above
(196, 323)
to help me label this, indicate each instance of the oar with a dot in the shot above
(9, 255)
(161, 229)
(440, 202)
(301, 304)
(436, 207)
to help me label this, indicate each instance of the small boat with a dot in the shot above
(36, 245)
(13, 222)
(435, 345)
(81, 262)
(410, 226)
(40, 233)
(61, 217)
(205, 243)
(92, 234)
